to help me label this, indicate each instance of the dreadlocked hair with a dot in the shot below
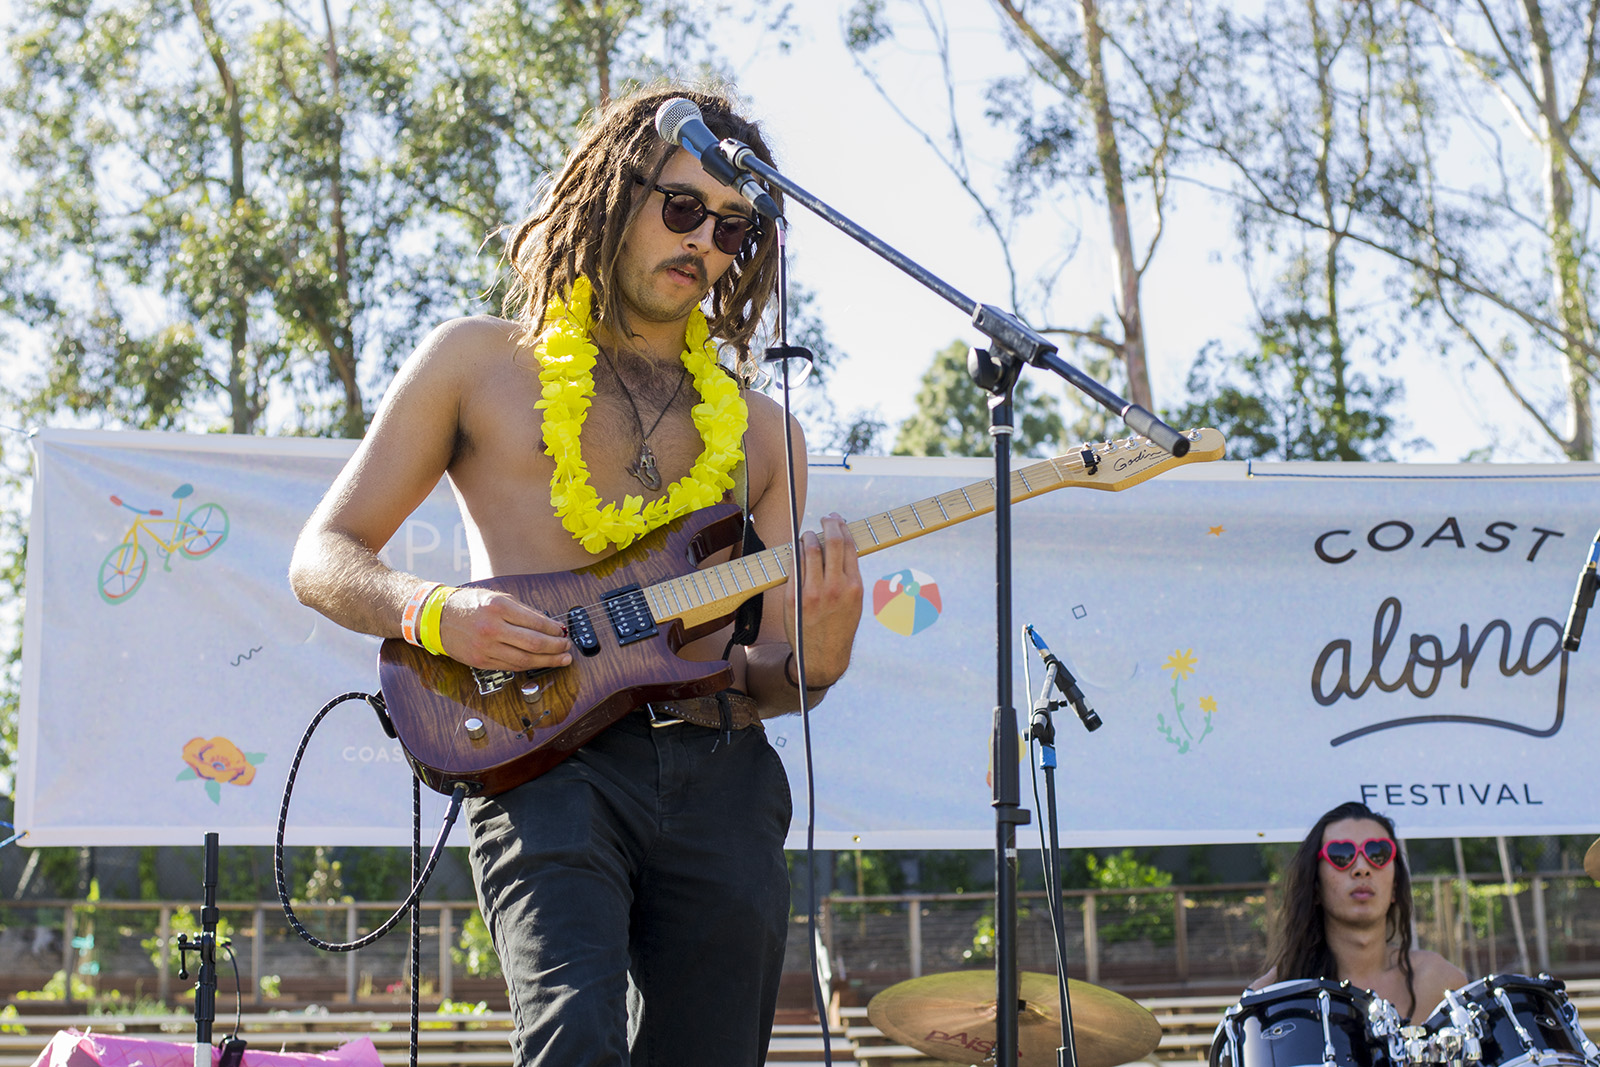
(1299, 947)
(578, 226)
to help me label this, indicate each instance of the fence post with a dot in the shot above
(258, 952)
(914, 932)
(1091, 939)
(351, 925)
(69, 933)
(1540, 933)
(447, 985)
(164, 968)
(1180, 931)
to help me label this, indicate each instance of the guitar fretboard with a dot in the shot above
(719, 589)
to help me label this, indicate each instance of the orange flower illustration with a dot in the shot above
(219, 761)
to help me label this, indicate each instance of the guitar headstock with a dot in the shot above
(1116, 465)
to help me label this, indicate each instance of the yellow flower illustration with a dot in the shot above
(1208, 704)
(1181, 663)
(218, 762)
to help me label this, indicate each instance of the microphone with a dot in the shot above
(1064, 681)
(1582, 599)
(679, 122)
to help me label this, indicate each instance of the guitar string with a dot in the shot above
(1073, 460)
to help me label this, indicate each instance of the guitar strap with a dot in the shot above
(747, 619)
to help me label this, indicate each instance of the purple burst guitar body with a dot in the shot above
(629, 614)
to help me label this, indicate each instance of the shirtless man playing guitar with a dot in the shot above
(637, 891)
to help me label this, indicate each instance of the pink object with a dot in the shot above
(70, 1048)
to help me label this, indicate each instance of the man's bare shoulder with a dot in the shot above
(470, 338)
(1436, 970)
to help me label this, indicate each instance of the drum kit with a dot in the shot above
(1504, 1020)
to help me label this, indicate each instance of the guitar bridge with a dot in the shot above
(492, 681)
(629, 614)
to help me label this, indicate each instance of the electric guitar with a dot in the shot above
(629, 614)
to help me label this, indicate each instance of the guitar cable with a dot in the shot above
(420, 875)
(783, 352)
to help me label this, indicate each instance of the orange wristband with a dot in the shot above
(413, 612)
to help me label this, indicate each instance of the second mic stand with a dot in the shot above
(1042, 728)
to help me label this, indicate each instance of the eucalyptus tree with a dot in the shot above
(1445, 147)
(214, 208)
(1306, 106)
(1099, 106)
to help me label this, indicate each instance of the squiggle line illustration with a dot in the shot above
(248, 655)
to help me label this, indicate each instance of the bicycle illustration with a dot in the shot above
(191, 536)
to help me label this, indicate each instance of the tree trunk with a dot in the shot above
(1110, 158)
(1338, 393)
(341, 353)
(239, 394)
(1565, 254)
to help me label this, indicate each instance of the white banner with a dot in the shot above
(1261, 643)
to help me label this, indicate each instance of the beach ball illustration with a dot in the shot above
(906, 601)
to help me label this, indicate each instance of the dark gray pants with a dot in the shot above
(639, 899)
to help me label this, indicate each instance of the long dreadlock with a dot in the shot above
(1299, 946)
(579, 225)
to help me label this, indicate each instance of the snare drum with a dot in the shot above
(1308, 1022)
(1518, 1021)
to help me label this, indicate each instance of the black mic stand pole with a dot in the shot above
(1013, 343)
(1042, 728)
(205, 990)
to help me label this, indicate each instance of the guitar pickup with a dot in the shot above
(581, 631)
(629, 614)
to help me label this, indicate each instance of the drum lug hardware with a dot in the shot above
(1516, 1024)
(1328, 1056)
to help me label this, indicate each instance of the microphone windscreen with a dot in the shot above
(671, 117)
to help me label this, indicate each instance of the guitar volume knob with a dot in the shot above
(475, 728)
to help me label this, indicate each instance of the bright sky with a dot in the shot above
(838, 139)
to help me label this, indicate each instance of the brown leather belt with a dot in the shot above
(727, 710)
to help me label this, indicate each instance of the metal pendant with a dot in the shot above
(644, 468)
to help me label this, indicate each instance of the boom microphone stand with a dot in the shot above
(995, 370)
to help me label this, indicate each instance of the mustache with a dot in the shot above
(687, 262)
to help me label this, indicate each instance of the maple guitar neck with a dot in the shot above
(704, 596)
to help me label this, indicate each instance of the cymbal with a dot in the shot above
(1591, 860)
(952, 1017)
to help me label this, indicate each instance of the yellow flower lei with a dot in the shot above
(566, 372)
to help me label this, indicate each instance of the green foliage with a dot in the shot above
(952, 417)
(1133, 917)
(184, 922)
(475, 949)
(1282, 402)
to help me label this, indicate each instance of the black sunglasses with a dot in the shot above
(683, 212)
(1341, 855)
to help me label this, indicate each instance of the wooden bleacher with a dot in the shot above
(1187, 1026)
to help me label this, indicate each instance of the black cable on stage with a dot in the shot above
(799, 651)
(412, 905)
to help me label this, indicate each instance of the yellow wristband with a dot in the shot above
(428, 621)
(413, 611)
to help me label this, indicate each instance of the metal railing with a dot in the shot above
(1185, 936)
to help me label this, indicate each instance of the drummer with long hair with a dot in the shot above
(1346, 915)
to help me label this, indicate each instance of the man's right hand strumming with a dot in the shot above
(490, 630)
